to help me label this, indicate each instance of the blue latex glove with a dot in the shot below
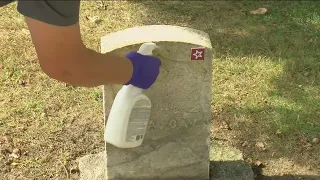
(145, 70)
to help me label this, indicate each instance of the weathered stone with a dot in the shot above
(176, 145)
(93, 166)
(227, 163)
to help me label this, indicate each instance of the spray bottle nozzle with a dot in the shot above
(147, 48)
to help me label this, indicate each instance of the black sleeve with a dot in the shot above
(55, 12)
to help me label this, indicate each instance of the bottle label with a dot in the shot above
(138, 121)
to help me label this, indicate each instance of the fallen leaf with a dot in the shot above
(224, 125)
(315, 140)
(13, 155)
(16, 151)
(259, 11)
(244, 144)
(22, 82)
(14, 164)
(22, 128)
(25, 153)
(10, 73)
(261, 146)
(93, 19)
(258, 163)
(309, 148)
(4, 140)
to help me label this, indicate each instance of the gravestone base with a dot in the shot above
(226, 163)
(92, 167)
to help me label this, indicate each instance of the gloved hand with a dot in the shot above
(145, 70)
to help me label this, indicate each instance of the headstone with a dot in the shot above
(177, 142)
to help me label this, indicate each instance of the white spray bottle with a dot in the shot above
(130, 112)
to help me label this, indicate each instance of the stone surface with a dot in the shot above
(93, 166)
(176, 145)
(231, 170)
(227, 163)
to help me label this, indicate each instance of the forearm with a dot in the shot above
(63, 56)
(95, 69)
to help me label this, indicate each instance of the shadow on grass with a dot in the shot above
(287, 38)
(238, 170)
(224, 170)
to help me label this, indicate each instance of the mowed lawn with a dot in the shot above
(266, 85)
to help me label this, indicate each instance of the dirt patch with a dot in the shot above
(266, 161)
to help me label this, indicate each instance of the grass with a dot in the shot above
(266, 83)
